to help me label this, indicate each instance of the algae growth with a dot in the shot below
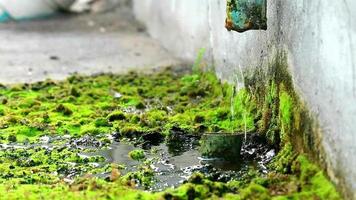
(137, 154)
(48, 127)
(132, 105)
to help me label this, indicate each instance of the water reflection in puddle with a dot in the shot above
(173, 162)
(171, 168)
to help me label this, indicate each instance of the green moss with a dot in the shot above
(314, 182)
(74, 92)
(91, 130)
(198, 187)
(255, 191)
(137, 154)
(286, 112)
(65, 110)
(139, 105)
(307, 177)
(81, 190)
(130, 130)
(144, 177)
(199, 118)
(164, 102)
(12, 138)
(2, 111)
(284, 120)
(244, 110)
(132, 101)
(298, 178)
(116, 115)
(102, 122)
(283, 161)
(191, 86)
(198, 64)
(269, 122)
(154, 118)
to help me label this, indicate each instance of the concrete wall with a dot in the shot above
(319, 37)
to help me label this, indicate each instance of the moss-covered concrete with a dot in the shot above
(137, 107)
(283, 116)
(284, 119)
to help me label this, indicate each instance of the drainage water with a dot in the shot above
(173, 167)
(173, 162)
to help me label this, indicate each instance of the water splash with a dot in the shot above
(238, 87)
(245, 124)
(232, 107)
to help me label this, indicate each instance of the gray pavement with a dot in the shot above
(88, 44)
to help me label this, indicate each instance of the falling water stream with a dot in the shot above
(232, 106)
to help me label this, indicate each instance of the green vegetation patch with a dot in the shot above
(136, 106)
(137, 154)
(128, 104)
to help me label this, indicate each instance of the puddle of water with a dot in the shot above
(170, 169)
(172, 162)
(173, 168)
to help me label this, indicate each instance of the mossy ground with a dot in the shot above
(137, 154)
(130, 104)
(139, 106)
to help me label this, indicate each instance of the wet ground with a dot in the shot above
(111, 134)
(172, 162)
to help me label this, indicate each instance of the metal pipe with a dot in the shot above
(243, 15)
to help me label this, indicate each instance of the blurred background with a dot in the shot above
(42, 39)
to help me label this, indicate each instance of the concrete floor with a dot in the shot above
(88, 44)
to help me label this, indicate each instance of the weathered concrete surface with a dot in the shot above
(319, 37)
(87, 44)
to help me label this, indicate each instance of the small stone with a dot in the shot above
(45, 139)
(117, 95)
(54, 58)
